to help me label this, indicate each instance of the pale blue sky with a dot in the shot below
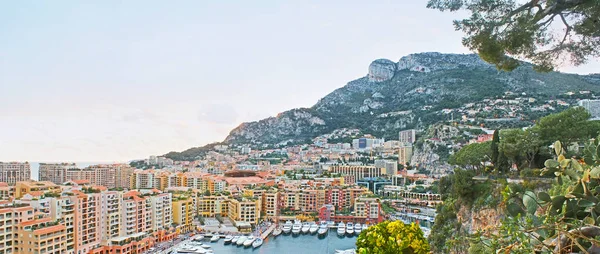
(121, 80)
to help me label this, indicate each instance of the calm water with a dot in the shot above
(291, 245)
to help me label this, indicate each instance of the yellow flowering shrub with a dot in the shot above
(392, 237)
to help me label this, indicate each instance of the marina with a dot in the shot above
(321, 243)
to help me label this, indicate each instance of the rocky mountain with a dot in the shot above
(420, 90)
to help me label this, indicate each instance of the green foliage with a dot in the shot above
(568, 126)
(564, 219)
(392, 237)
(494, 147)
(474, 155)
(518, 144)
(499, 29)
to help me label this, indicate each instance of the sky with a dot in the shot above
(114, 81)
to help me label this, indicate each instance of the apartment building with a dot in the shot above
(10, 217)
(369, 209)
(359, 172)
(22, 188)
(162, 211)
(6, 191)
(408, 136)
(405, 153)
(87, 228)
(41, 236)
(182, 214)
(245, 210)
(144, 179)
(210, 206)
(271, 203)
(54, 172)
(136, 214)
(110, 176)
(110, 219)
(13, 172)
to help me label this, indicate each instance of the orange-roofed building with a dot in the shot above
(22, 188)
(10, 217)
(41, 236)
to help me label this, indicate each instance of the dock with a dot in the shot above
(267, 232)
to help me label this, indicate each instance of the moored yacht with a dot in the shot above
(257, 243)
(287, 227)
(241, 240)
(235, 239)
(341, 230)
(350, 228)
(228, 239)
(305, 227)
(357, 228)
(296, 227)
(323, 228)
(313, 228)
(215, 238)
(249, 241)
(277, 231)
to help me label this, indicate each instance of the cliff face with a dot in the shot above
(482, 219)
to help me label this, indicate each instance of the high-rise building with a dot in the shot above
(390, 167)
(54, 172)
(111, 215)
(10, 217)
(13, 172)
(408, 136)
(405, 154)
(182, 214)
(162, 207)
(109, 176)
(87, 231)
(592, 106)
(136, 214)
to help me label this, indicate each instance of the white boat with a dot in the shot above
(305, 227)
(350, 228)
(277, 231)
(249, 241)
(287, 227)
(257, 243)
(323, 228)
(228, 239)
(235, 239)
(241, 240)
(364, 227)
(215, 238)
(296, 227)
(199, 238)
(357, 228)
(206, 246)
(313, 228)
(341, 230)
(349, 251)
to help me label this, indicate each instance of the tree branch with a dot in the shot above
(567, 31)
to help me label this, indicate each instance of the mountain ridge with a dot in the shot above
(411, 93)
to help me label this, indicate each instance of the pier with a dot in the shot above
(267, 232)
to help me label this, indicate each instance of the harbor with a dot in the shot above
(319, 238)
